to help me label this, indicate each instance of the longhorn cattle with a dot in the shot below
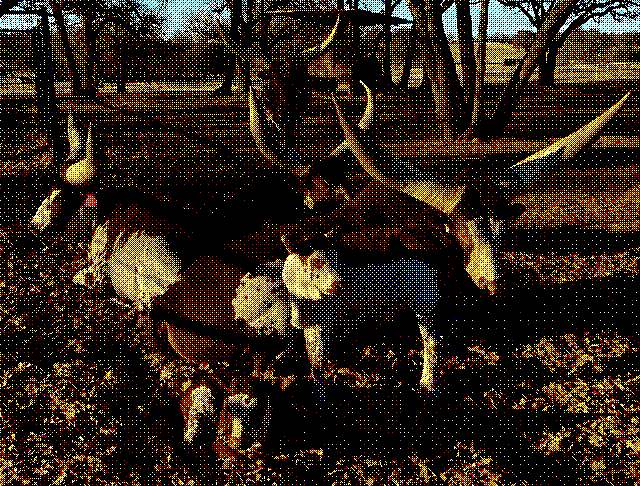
(288, 86)
(331, 292)
(166, 260)
(144, 246)
(321, 184)
(474, 203)
(477, 202)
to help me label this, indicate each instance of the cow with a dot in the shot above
(331, 292)
(287, 78)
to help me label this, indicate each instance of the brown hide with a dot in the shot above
(203, 296)
(340, 65)
(201, 321)
(288, 91)
(198, 348)
(375, 221)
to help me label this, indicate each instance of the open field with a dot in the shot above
(539, 385)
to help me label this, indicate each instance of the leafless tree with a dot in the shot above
(7, 5)
(583, 11)
(455, 96)
(132, 18)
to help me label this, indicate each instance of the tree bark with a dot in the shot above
(124, 66)
(441, 69)
(387, 77)
(7, 5)
(235, 7)
(58, 15)
(247, 39)
(87, 57)
(548, 66)
(477, 113)
(554, 21)
(467, 56)
(408, 61)
(549, 62)
(425, 83)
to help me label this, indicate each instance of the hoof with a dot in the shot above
(427, 385)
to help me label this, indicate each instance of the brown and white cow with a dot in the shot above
(331, 292)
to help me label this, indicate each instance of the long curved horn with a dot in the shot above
(76, 142)
(90, 148)
(81, 173)
(316, 51)
(528, 170)
(365, 122)
(403, 177)
(284, 158)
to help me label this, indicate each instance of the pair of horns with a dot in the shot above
(412, 180)
(399, 175)
(274, 151)
(306, 55)
(81, 154)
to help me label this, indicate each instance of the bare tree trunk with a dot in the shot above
(467, 56)
(477, 113)
(247, 39)
(408, 60)
(356, 77)
(441, 69)
(7, 5)
(548, 66)
(425, 83)
(87, 57)
(554, 21)
(235, 7)
(124, 66)
(387, 78)
(58, 15)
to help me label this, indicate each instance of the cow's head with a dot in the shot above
(76, 174)
(311, 276)
(318, 181)
(477, 202)
(268, 123)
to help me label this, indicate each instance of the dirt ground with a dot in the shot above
(540, 385)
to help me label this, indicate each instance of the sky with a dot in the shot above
(501, 19)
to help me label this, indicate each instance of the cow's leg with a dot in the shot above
(419, 289)
(313, 338)
(244, 423)
(316, 319)
(317, 341)
(199, 412)
(317, 323)
(429, 353)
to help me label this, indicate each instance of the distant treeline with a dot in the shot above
(588, 46)
(188, 57)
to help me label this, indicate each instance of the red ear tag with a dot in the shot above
(91, 201)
